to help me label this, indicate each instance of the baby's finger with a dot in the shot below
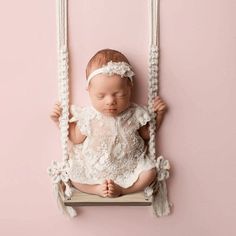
(54, 118)
(157, 98)
(56, 115)
(157, 101)
(157, 105)
(58, 107)
(58, 103)
(56, 112)
(160, 107)
(111, 188)
(161, 104)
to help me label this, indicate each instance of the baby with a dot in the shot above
(110, 156)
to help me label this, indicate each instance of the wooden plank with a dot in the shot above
(83, 199)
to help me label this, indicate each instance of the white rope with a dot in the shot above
(153, 72)
(63, 78)
(59, 171)
(160, 203)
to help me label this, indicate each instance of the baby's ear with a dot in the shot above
(88, 87)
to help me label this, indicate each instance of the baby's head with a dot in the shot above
(109, 77)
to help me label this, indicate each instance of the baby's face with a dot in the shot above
(110, 95)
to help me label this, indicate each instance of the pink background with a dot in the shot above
(198, 56)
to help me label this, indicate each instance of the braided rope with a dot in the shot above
(153, 70)
(63, 78)
(160, 203)
(59, 171)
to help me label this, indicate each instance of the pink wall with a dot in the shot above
(197, 81)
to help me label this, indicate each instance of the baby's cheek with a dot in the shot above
(97, 105)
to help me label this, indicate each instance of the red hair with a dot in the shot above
(102, 57)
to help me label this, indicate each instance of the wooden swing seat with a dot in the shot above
(83, 199)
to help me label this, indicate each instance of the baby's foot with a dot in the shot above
(101, 189)
(114, 190)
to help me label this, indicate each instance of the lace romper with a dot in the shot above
(113, 148)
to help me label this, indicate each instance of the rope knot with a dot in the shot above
(163, 167)
(58, 171)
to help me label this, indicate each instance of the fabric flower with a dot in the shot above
(120, 68)
(59, 171)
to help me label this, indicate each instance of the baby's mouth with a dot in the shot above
(111, 110)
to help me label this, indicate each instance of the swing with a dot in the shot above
(67, 197)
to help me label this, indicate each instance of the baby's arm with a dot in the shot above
(160, 108)
(75, 134)
(144, 132)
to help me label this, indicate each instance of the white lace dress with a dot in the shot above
(113, 148)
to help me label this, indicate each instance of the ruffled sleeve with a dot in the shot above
(142, 115)
(81, 117)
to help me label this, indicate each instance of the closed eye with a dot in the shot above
(100, 96)
(121, 94)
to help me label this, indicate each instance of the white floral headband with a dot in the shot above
(120, 68)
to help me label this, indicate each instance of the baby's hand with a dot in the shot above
(159, 105)
(56, 113)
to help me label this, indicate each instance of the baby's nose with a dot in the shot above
(110, 100)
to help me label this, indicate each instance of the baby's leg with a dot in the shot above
(144, 180)
(98, 189)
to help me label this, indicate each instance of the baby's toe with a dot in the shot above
(110, 194)
(109, 181)
(111, 187)
(104, 188)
